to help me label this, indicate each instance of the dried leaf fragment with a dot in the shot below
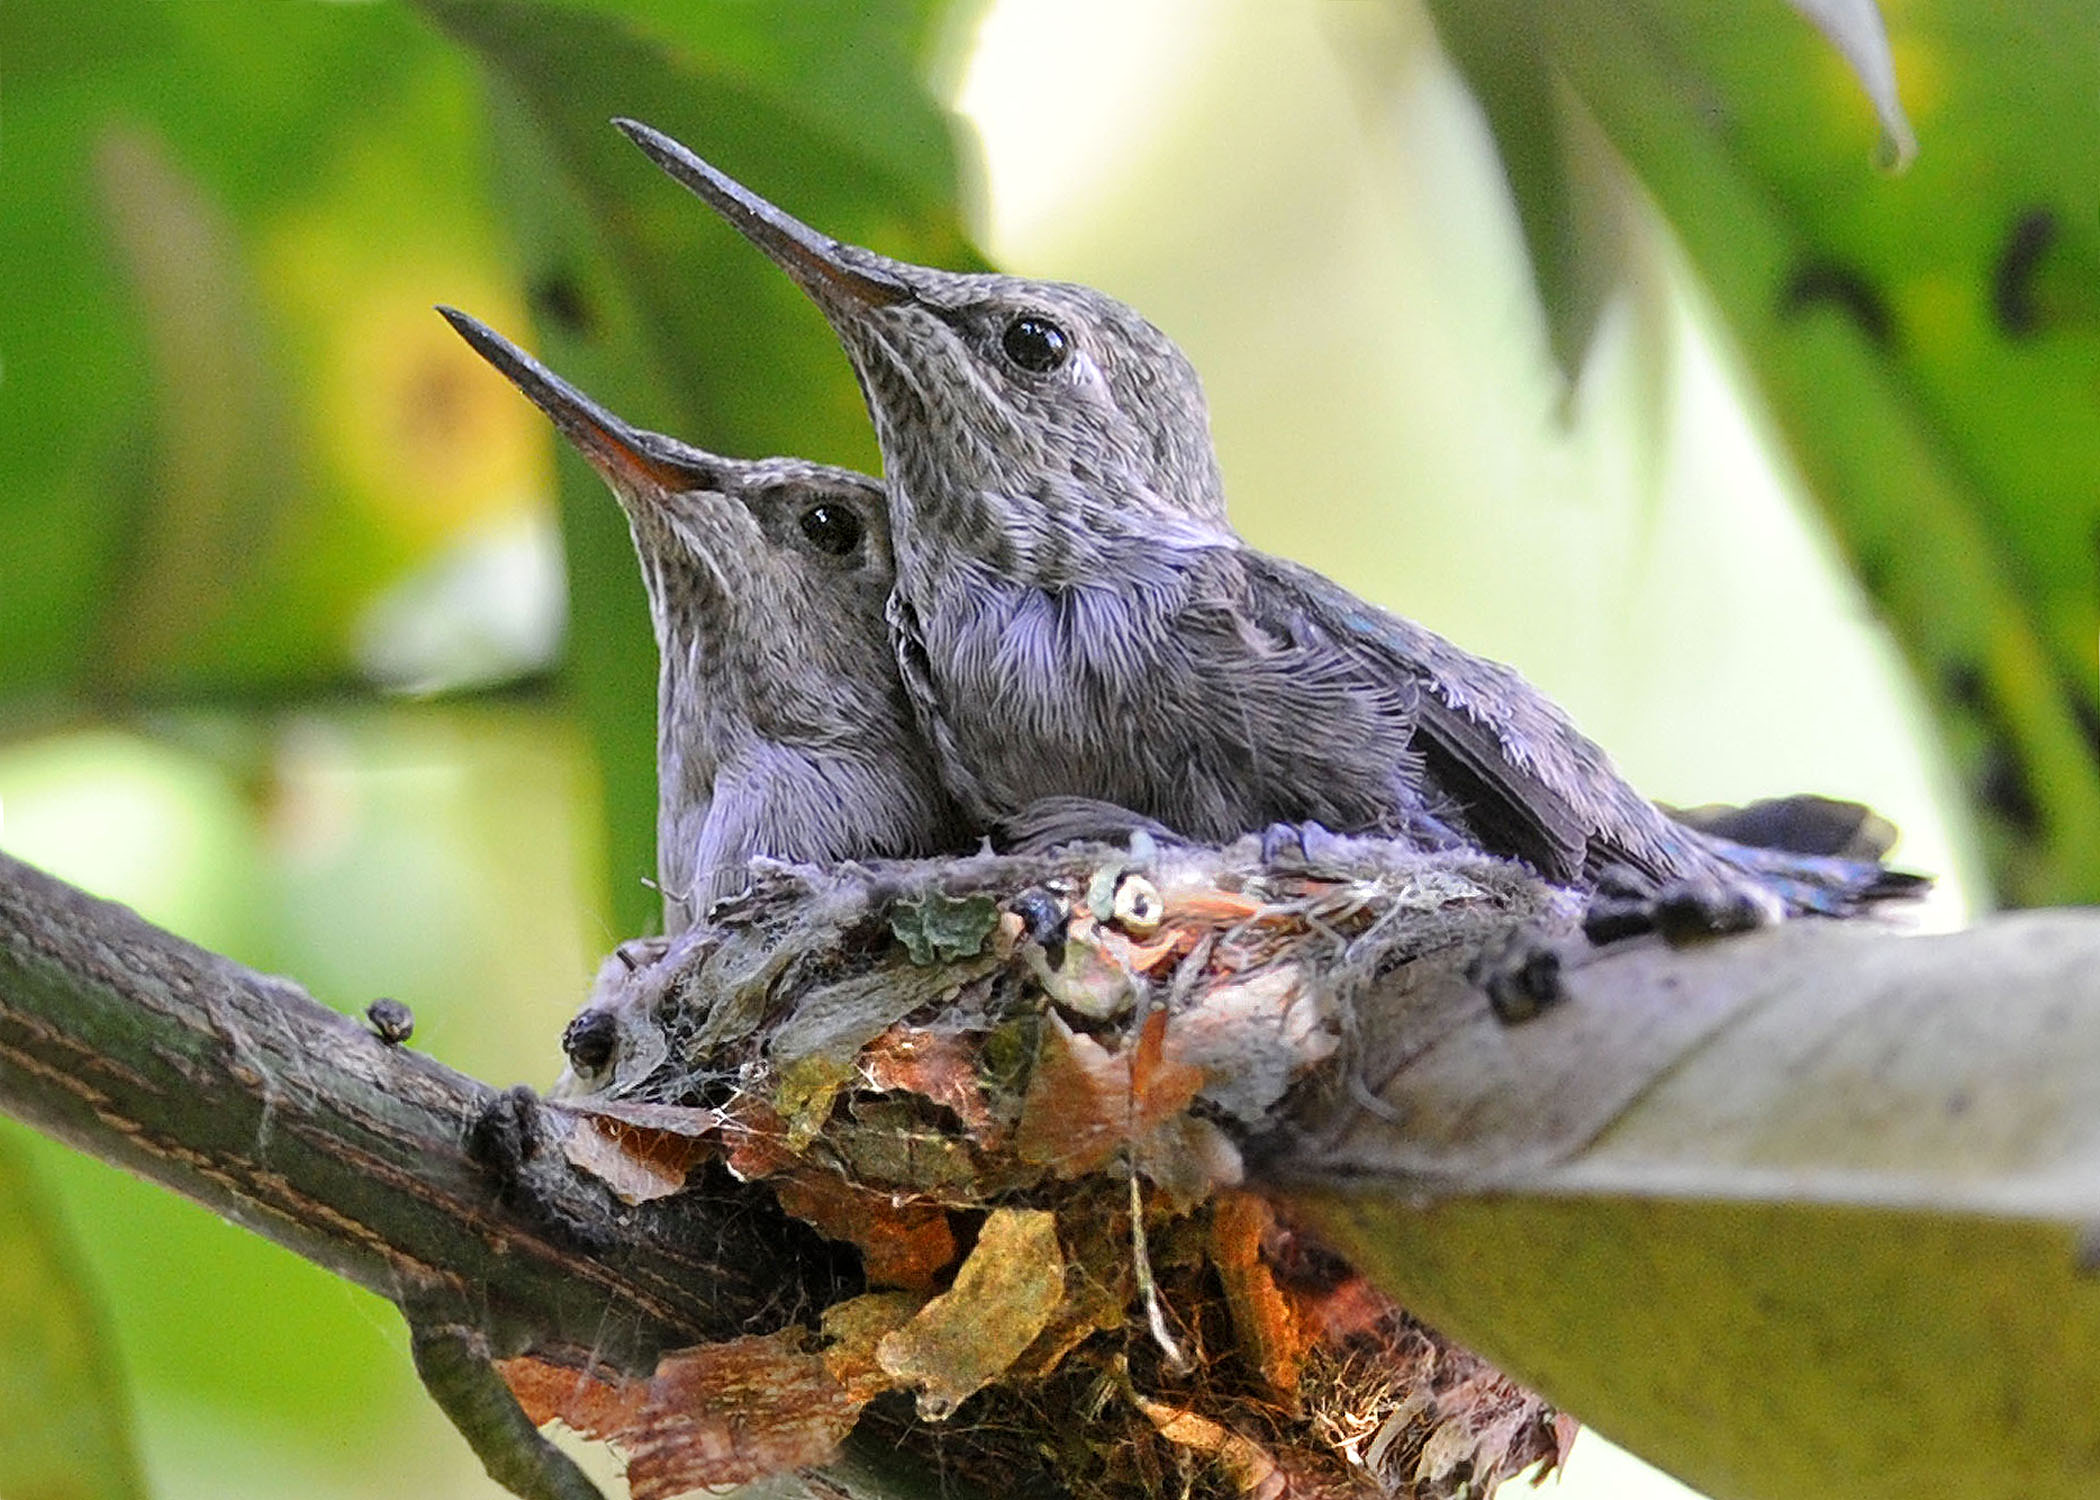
(936, 1066)
(643, 1152)
(1262, 1317)
(1145, 954)
(1253, 1036)
(718, 1414)
(804, 1093)
(1188, 1158)
(1209, 907)
(1085, 1103)
(853, 1331)
(1253, 1472)
(940, 929)
(904, 1241)
(1094, 979)
(970, 1335)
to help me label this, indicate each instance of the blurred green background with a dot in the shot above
(1779, 471)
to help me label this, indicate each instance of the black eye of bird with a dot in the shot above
(1035, 344)
(832, 528)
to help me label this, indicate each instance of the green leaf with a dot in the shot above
(68, 1412)
(637, 290)
(1568, 200)
(222, 449)
(697, 288)
(216, 445)
(1929, 345)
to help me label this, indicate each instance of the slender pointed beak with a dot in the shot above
(813, 259)
(634, 462)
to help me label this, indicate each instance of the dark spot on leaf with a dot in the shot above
(1519, 994)
(1962, 682)
(2013, 301)
(2002, 786)
(2086, 1257)
(559, 298)
(1830, 283)
(2087, 713)
(1608, 919)
(1520, 976)
(1697, 907)
(2001, 783)
(1871, 567)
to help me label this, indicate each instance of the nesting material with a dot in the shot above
(1022, 1090)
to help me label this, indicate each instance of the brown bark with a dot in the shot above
(238, 1090)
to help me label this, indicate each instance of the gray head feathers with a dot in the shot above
(782, 726)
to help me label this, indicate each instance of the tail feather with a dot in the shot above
(1824, 885)
(1805, 823)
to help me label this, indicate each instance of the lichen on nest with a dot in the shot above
(1021, 1088)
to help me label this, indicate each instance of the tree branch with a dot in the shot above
(1808, 1211)
(239, 1091)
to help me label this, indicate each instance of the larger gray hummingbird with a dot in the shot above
(1075, 616)
(782, 728)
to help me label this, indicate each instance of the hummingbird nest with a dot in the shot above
(1024, 1089)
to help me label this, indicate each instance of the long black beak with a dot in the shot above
(813, 259)
(632, 461)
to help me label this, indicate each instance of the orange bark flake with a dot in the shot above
(718, 1414)
(903, 1243)
(638, 1162)
(1211, 908)
(593, 1403)
(757, 1139)
(1146, 955)
(1085, 1103)
(1253, 1471)
(1262, 1317)
(938, 1066)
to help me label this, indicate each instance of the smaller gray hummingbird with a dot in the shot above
(782, 728)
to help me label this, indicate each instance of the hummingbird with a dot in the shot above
(1074, 615)
(783, 729)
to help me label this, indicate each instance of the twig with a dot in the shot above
(454, 1365)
